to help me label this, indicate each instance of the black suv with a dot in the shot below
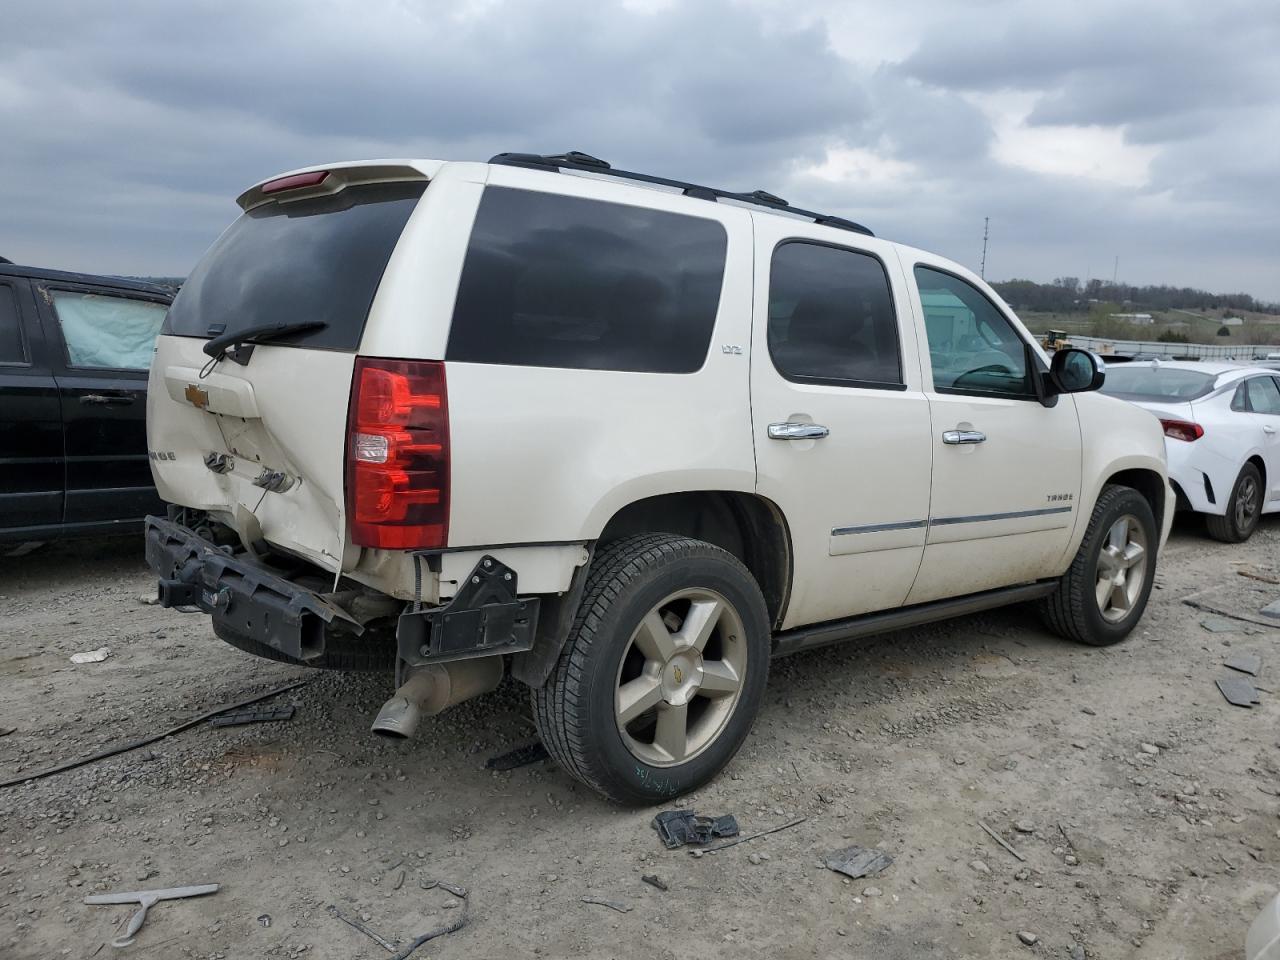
(74, 354)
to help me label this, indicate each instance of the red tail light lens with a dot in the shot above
(398, 455)
(1182, 429)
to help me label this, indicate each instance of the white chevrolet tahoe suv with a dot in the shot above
(624, 438)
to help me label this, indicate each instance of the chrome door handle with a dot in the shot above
(964, 436)
(792, 430)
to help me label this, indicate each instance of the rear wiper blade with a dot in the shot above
(221, 345)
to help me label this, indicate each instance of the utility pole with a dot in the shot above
(1116, 272)
(982, 270)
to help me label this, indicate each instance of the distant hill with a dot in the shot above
(1068, 295)
(171, 283)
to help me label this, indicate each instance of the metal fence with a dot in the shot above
(1198, 351)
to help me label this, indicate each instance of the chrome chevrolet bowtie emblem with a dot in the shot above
(679, 676)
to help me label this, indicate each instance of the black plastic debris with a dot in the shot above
(1249, 663)
(519, 757)
(858, 861)
(653, 880)
(678, 827)
(1238, 691)
(239, 718)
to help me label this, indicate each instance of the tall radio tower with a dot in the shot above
(982, 270)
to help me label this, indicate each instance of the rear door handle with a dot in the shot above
(103, 399)
(1267, 428)
(791, 430)
(964, 436)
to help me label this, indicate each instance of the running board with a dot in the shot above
(836, 631)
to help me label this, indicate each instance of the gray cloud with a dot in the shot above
(130, 127)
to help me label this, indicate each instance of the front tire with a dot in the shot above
(1102, 596)
(663, 671)
(1244, 509)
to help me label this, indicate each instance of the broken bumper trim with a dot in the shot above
(239, 594)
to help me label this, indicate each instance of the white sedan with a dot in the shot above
(1222, 434)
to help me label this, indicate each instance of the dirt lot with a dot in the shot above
(903, 743)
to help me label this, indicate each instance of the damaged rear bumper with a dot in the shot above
(239, 594)
(485, 618)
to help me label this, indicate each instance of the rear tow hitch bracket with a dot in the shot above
(485, 618)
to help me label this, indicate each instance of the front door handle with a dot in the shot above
(964, 436)
(792, 430)
(102, 399)
(1267, 428)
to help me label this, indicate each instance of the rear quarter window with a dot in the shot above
(556, 281)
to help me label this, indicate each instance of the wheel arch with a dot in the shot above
(1149, 483)
(751, 527)
(1257, 461)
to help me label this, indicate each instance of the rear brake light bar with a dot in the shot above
(295, 182)
(398, 455)
(1182, 429)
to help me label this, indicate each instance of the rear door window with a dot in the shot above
(831, 317)
(11, 348)
(107, 332)
(318, 259)
(1264, 397)
(557, 281)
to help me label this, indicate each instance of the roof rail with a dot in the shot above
(575, 160)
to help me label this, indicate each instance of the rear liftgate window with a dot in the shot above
(555, 281)
(289, 262)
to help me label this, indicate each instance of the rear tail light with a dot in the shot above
(1182, 429)
(295, 182)
(398, 454)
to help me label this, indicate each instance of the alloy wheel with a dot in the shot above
(1246, 505)
(681, 677)
(1122, 568)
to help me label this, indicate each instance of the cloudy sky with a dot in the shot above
(1085, 131)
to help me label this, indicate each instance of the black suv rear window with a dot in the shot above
(318, 259)
(556, 281)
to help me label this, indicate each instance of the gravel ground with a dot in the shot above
(1144, 805)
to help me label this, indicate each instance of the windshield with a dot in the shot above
(306, 260)
(1157, 383)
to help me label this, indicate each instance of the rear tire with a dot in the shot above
(662, 673)
(1244, 509)
(1103, 594)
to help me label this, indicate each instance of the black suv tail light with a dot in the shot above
(398, 454)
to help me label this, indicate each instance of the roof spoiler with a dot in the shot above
(329, 179)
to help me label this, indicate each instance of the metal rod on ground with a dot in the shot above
(438, 932)
(762, 833)
(135, 744)
(1001, 840)
(385, 944)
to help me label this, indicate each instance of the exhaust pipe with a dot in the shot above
(434, 688)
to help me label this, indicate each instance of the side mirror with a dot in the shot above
(1076, 371)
